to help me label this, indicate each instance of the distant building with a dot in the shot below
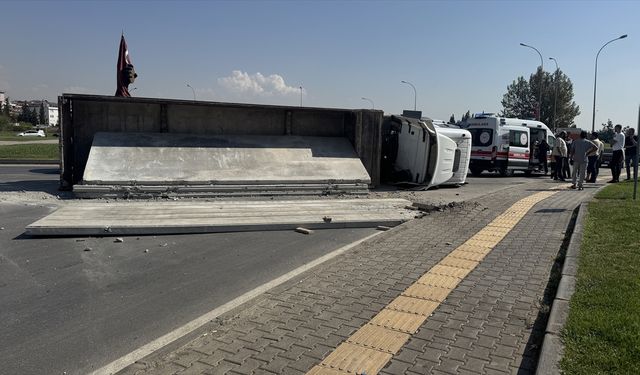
(2, 99)
(51, 116)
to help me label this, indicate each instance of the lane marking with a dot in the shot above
(193, 325)
(371, 347)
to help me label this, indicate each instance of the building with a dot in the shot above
(51, 117)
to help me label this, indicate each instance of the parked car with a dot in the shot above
(32, 133)
(606, 157)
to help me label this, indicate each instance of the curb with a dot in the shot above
(552, 346)
(26, 161)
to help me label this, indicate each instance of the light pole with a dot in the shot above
(542, 71)
(192, 90)
(555, 96)
(371, 101)
(595, 81)
(415, 95)
(300, 95)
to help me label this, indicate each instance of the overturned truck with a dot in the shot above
(144, 147)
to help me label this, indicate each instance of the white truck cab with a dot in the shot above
(506, 145)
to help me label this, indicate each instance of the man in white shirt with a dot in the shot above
(617, 145)
(559, 153)
(593, 169)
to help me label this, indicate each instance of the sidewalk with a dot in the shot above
(491, 322)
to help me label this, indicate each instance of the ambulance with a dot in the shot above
(506, 145)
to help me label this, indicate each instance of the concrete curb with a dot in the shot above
(34, 161)
(552, 346)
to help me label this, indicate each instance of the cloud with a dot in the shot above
(257, 84)
(78, 90)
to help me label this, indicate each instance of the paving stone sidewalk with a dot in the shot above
(493, 322)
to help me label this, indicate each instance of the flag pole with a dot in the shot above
(635, 167)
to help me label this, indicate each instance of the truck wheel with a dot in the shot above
(527, 173)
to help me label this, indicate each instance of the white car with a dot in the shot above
(32, 133)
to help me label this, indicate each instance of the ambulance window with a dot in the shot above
(551, 140)
(518, 138)
(481, 137)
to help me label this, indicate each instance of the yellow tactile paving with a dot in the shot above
(369, 349)
(398, 320)
(468, 255)
(452, 261)
(427, 292)
(356, 359)
(442, 281)
(320, 370)
(379, 338)
(413, 305)
(442, 269)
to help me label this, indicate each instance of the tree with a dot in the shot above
(521, 99)
(41, 118)
(6, 108)
(27, 115)
(452, 119)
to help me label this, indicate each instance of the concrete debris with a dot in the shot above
(119, 239)
(326, 219)
(87, 249)
(303, 230)
(146, 250)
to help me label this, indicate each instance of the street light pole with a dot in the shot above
(192, 90)
(300, 96)
(415, 94)
(595, 81)
(555, 97)
(371, 101)
(541, 75)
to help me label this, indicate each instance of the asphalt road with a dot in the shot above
(75, 304)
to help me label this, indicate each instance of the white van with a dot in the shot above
(506, 145)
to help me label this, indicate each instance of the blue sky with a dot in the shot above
(460, 55)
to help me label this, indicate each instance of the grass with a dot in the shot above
(602, 334)
(32, 151)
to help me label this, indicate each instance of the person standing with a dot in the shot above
(559, 153)
(566, 167)
(595, 158)
(617, 144)
(578, 156)
(543, 148)
(631, 152)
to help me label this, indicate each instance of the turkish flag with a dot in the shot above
(125, 72)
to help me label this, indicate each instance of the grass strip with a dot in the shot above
(602, 334)
(31, 151)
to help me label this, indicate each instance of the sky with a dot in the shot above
(459, 55)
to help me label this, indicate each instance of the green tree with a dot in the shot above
(521, 99)
(452, 119)
(28, 115)
(6, 108)
(41, 118)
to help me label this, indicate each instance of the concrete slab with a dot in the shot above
(189, 159)
(153, 217)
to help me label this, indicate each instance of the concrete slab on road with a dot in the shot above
(187, 159)
(153, 217)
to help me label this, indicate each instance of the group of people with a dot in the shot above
(585, 155)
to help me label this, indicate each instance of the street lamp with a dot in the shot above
(595, 80)
(192, 90)
(371, 101)
(555, 97)
(415, 95)
(300, 96)
(542, 71)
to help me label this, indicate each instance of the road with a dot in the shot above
(75, 304)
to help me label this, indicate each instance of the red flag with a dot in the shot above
(125, 72)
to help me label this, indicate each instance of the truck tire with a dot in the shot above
(504, 172)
